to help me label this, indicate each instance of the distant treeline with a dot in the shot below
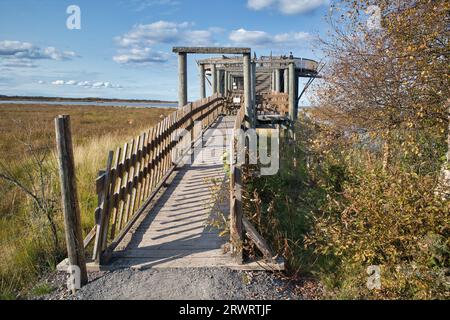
(41, 98)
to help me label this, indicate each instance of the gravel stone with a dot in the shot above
(176, 284)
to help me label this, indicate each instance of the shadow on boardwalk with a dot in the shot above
(175, 232)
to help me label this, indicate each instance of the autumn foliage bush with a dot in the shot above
(333, 211)
(362, 183)
(385, 100)
(391, 218)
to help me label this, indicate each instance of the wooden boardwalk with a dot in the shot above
(176, 231)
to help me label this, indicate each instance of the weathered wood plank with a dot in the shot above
(151, 162)
(71, 208)
(257, 239)
(142, 165)
(114, 179)
(212, 50)
(236, 214)
(131, 186)
(119, 205)
(134, 218)
(126, 182)
(147, 165)
(182, 221)
(89, 237)
(186, 253)
(99, 236)
(142, 170)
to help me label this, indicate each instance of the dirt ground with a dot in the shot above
(181, 284)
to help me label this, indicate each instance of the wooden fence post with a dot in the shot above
(236, 213)
(236, 208)
(102, 228)
(192, 108)
(71, 208)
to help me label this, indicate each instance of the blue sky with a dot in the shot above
(123, 48)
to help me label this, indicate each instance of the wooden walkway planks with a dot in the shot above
(175, 233)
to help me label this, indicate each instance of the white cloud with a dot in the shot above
(140, 56)
(301, 6)
(85, 84)
(13, 62)
(288, 7)
(138, 46)
(253, 38)
(259, 4)
(197, 37)
(58, 82)
(54, 54)
(264, 39)
(11, 48)
(164, 32)
(26, 50)
(17, 54)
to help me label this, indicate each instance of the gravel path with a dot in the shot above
(178, 284)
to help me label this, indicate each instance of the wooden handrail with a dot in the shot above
(238, 222)
(236, 209)
(273, 103)
(136, 171)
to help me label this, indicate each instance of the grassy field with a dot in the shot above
(87, 122)
(27, 245)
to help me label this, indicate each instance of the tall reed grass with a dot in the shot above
(26, 247)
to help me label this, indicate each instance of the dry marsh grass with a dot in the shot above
(26, 244)
(87, 122)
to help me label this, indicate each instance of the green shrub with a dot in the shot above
(42, 289)
(390, 220)
(333, 210)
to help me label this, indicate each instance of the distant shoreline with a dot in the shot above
(41, 98)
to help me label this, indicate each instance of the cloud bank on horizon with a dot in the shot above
(84, 84)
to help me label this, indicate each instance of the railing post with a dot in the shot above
(202, 126)
(236, 231)
(278, 80)
(292, 91)
(182, 79)
(249, 110)
(286, 81)
(101, 235)
(253, 83)
(214, 78)
(71, 207)
(236, 207)
(192, 126)
(192, 123)
(202, 82)
(225, 84)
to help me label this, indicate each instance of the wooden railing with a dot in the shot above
(235, 100)
(240, 226)
(236, 209)
(272, 103)
(136, 172)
